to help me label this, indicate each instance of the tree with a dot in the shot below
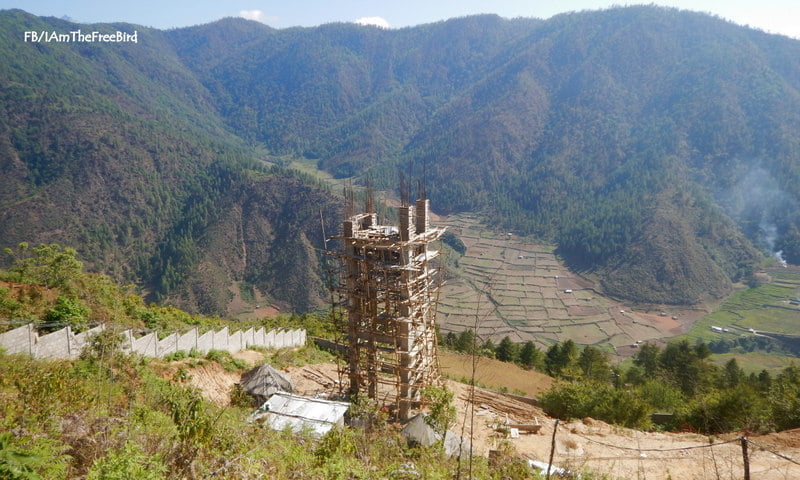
(442, 411)
(701, 350)
(784, 398)
(67, 311)
(560, 360)
(506, 350)
(488, 348)
(764, 380)
(466, 342)
(594, 364)
(530, 356)
(647, 358)
(687, 367)
(732, 375)
(51, 265)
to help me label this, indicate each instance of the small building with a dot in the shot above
(285, 410)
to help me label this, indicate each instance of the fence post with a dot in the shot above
(552, 449)
(31, 338)
(745, 458)
(69, 342)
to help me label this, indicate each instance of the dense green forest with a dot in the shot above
(115, 150)
(657, 148)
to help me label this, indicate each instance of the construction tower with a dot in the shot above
(390, 282)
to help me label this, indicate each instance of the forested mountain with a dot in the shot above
(116, 150)
(658, 148)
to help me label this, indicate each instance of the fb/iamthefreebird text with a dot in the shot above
(78, 36)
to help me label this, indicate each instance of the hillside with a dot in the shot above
(629, 136)
(656, 148)
(115, 149)
(110, 413)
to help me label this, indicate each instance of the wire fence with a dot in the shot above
(609, 454)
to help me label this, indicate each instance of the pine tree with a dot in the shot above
(506, 350)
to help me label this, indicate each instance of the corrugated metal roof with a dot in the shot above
(284, 410)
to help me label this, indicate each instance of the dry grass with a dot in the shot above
(495, 374)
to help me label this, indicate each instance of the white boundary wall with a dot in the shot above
(64, 344)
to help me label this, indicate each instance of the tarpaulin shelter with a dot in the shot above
(264, 381)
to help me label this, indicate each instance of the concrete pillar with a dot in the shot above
(405, 223)
(423, 212)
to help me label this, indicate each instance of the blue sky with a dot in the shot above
(775, 16)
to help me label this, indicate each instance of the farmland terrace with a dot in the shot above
(507, 285)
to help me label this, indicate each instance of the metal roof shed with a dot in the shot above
(284, 410)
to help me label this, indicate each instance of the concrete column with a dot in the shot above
(423, 211)
(405, 223)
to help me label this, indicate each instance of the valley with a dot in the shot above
(665, 183)
(507, 285)
(620, 190)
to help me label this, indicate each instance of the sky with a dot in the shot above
(773, 16)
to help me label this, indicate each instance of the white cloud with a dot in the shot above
(256, 15)
(376, 21)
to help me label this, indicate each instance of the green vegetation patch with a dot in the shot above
(764, 308)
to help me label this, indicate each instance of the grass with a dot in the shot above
(289, 357)
(516, 285)
(75, 419)
(495, 374)
(764, 308)
(754, 362)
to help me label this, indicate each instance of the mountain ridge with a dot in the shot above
(625, 136)
(116, 151)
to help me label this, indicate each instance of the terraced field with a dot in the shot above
(770, 308)
(507, 285)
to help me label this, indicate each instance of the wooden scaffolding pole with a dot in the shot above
(391, 287)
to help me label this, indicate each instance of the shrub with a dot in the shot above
(597, 400)
(226, 360)
(129, 462)
(16, 464)
(740, 408)
(104, 346)
(69, 311)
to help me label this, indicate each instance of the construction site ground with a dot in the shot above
(581, 445)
